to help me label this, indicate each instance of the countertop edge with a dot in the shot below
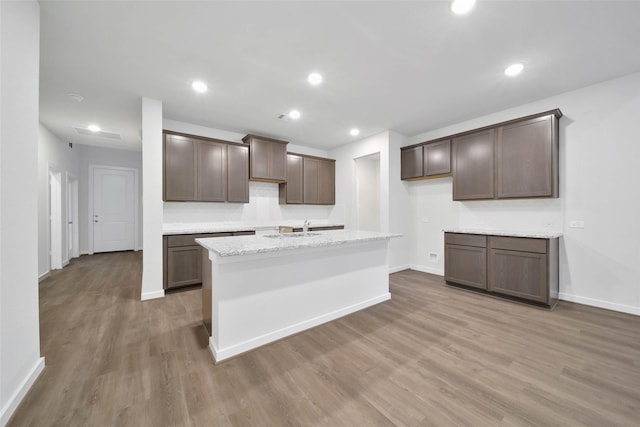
(506, 233)
(290, 246)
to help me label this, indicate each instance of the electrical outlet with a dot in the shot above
(433, 257)
(576, 224)
(425, 219)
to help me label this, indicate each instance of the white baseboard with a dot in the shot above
(234, 350)
(65, 262)
(399, 268)
(425, 269)
(600, 304)
(43, 276)
(151, 295)
(21, 392)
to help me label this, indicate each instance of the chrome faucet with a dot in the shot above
(305, 227)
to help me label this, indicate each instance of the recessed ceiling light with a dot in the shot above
(294, 114)
(513, 69)
(354, 132)
(314, 79)
(460, 7)
(199, 86)
(94, 128)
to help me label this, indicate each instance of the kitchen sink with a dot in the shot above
(288, 235)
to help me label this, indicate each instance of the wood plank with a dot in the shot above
(432, 355)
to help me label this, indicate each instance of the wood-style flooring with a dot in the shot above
(432, 356)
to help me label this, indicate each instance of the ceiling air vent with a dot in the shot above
(101, 133)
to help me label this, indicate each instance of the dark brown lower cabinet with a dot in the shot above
(516, 267)
(183, 258)
(465, 260)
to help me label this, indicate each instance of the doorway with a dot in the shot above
(113, 209)
(55, 219)
(368, 192)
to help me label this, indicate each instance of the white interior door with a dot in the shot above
(72, 217)
(113, 216)
(55, 220)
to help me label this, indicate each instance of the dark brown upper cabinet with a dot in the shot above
(411, 163)
(310, 180)
(268, 159)
(508, 160)
(527, 158)
(179, 168)
(427, 160)
(198, 169)
(211, 172)
(437, 158)
(326, 182)
(292, 190)
(473, 166)
(237, 173)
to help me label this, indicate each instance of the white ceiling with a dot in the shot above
(406, 66)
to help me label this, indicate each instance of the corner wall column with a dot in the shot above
(151, 199)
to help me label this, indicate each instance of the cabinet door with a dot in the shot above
(291, 191)
(519, 274)
(466, 265)
(259, 163)
(212, 172)
(278, 161)
(179, 168)
(268, 159)
(437, 158)
(473, 166)
(184, 266)
(237, 174)
(310, 181)
(326, 182)
(526, 156)
(411, 163)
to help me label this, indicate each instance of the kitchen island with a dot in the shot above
(258, 289)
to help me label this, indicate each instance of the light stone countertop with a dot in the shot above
(220, 227)
(509, 233)
(244, 245)
(203, 227)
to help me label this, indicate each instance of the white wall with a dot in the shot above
(368, 192)
(599, 176)
(394, 197)
(346, 193)
(399, 201)
(58, 155)
(263, 207)
(90, 155)
(152, 199)
(20, 361)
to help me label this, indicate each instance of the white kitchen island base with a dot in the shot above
(258, 298)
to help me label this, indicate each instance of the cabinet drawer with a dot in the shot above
(522, 244)
(465, 239)
(189, 239)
